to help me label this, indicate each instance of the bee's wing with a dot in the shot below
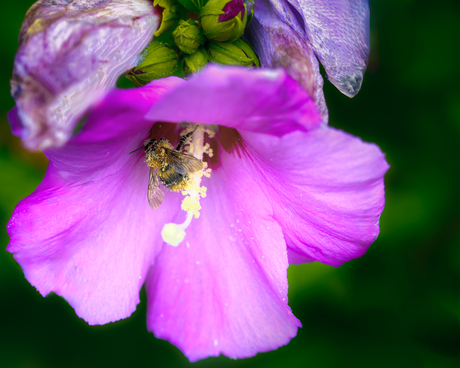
(155, 195)
(183, 163)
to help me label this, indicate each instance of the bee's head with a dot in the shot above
(150, 144)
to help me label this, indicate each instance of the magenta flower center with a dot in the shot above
(231, 10)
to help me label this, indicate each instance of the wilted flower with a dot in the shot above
(71, 53)
(280, 187)
(337, 32)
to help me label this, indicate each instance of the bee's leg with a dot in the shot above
(184, 139)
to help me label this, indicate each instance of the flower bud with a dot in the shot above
(223, 20)
(160, 61)
(237, 52)
(196, 61)
(170, 14)
(193, 5)
(187, 36)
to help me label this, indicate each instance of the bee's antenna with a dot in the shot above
(196, 126)
(136, 149)
(184, 138)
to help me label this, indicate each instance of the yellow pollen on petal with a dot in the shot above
(207, 173)
(211, 133)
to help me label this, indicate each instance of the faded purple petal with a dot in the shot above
(224, 289)
(326, 189)
(266, 101)
(87, 232)
(15, 122)
(280, 45)
(339, 34)
(70, 53)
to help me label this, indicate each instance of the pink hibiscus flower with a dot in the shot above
(283, 188)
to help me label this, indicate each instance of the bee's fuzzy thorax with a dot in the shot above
(155, 155)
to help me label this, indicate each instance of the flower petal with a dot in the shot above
(87, 232)
(327, 192)
(15, 122)
(114, 128)
(224, 289)
(267, 101)
(339, 34)
(281, 45)
(70, 53)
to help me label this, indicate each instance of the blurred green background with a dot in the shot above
(399, 305)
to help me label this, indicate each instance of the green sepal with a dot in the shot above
(187, 36)
(193, 5)
(171, 14)
(237, 52)
(196, 61)
(248, 50)
(160, 60)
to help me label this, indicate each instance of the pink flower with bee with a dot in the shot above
(269, 184)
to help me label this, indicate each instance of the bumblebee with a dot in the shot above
(169, 166)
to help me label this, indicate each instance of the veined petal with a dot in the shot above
(339, 34)
(223, 290)
(280, 42)
(92, 243)
(327, 192)
(87, 232)
(115, 127)
(69, 54)
(267, 101)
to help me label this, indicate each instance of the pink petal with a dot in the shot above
(281, 43)
(223, 290)
(115, 128)
(339, 34)
(91, 243)
(87, 232)
(70, 54)
(266, 101)
(326, 189)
